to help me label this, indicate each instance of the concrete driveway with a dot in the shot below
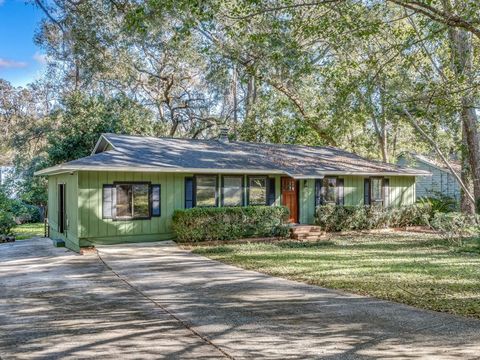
(155, 300)
(55, 304)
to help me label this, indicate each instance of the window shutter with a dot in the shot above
(386, 192)
(366, 192)
(271, 191)
(189, 203)
(340, 192)
(318, 192)
(108, 201)
(155, 200)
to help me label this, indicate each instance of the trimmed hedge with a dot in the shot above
(341, 218)
(230, 223)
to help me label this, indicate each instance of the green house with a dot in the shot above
(128, 188)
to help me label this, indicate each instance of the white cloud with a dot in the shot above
(7, 64)
(1, 2)
(39, 57)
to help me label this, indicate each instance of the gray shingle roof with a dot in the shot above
(134, 153)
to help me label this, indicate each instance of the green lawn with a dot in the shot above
(417, 269)
(27, 231)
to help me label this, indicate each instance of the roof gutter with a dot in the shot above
(60, 169)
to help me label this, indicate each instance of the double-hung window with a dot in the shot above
(206, 190)
(330, 190)
(376, 191)
(232, 190)
(257, 190)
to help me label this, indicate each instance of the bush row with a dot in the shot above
(341, 218)
(229, 223)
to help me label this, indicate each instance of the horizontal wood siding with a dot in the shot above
(70, 236)
(92, 228)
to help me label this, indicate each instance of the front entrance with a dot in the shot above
(290, 197)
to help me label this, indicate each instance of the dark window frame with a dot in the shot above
(266, 189)
(195, 182)
(148, 183)
(242, 187)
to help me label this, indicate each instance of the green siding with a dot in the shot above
(84, 204)
(70, 236)
(307, 201)
(401, 193)
(94, 229)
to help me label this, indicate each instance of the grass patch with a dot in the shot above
(28, 231)
(416, 269)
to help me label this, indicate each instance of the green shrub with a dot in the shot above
(7, 222)
(440, 203)
(25, 213)
(229, 223)
(456, 225)
(341, 218)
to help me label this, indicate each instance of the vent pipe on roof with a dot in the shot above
(223, 135)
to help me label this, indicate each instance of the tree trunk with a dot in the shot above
(234, 99)
(461, 48)
(250, 97)
(466, 204)
(462, 55)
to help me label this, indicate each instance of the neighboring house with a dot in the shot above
(127, 190)
(440, 182)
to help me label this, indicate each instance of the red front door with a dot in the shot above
(290, 197)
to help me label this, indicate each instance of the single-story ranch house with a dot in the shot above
(128, 188)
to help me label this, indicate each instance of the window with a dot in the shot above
(132, 201)
(156, 193)
(376, 191)
(206, 191)
(232, 191)
(189, 193)
(109, 201)
(257, 190)
(330, 185)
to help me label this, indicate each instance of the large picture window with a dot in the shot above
(206, 191)
(330, 186)
(232, 191)
(129, 201)
(257, 190)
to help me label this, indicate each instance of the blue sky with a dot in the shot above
(21, 61)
